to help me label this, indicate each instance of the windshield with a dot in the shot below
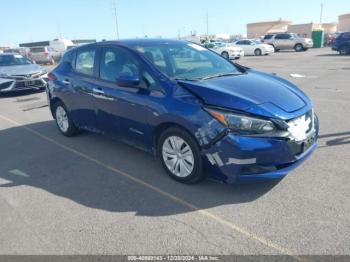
(13, 60)
(187, 61)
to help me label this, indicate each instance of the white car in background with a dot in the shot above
(254, 47)
(227, 51)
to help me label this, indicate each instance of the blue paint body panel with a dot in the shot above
(136, 115)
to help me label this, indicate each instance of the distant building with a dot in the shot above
(83, 41)
(344, 23)
(257, 30)
(191, 38)
(222, 36)
(305, 30)
(33, 44)
(330, 28)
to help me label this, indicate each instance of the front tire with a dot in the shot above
(63, 120)
(225, 55)
(180, 156)
(298, 48)
(344, 50)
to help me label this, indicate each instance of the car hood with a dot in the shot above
(20, 69)
(253, 92)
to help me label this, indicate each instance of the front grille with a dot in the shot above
(25, 77)
(29, 84)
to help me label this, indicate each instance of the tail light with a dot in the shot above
(51, 76)
(46, 53)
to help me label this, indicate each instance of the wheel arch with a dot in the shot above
(53, 101)
(298, 44)
(159, 129)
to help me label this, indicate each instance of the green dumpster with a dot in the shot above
(318, 38)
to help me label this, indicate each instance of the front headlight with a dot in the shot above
(241, 123)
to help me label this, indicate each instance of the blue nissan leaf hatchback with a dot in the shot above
(200, 114)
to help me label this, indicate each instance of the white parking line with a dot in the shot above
(205, 213)
(18, 172)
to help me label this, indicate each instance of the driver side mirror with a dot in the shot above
(128, 81)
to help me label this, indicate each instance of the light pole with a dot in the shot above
(321, 15)
(207, 24)
(116, 18)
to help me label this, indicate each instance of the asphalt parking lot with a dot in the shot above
(92, 195)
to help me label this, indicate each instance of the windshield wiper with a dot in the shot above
(185, 79)
(220, 75)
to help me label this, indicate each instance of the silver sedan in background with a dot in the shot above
(17, 72)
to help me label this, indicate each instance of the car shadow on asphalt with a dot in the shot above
(21, 93)
(336, 139)
(142, 186)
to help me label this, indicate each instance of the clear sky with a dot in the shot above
(38, 20)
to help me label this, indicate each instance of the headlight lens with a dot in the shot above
(241, 123)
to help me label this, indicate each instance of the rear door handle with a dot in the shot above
(66, 82)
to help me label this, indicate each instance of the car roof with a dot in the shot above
(137, 41)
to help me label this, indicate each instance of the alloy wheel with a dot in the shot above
(62, 119)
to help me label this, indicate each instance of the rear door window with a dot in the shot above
(85, 61)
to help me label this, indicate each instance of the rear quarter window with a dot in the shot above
(68, 57)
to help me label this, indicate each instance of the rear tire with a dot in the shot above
(225, 55)
(180, 156)
(63, 120)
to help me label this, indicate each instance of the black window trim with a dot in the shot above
(136, 56)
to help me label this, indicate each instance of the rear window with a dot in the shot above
(37, 49)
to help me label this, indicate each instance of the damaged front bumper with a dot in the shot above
(240, 159)
(22, 82)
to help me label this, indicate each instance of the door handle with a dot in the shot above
(66, 82)
(98, 93)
